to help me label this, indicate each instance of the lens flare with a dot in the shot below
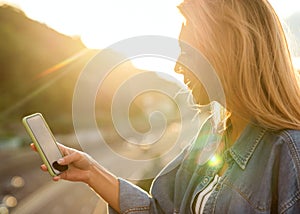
(10, 201)
(216, 160)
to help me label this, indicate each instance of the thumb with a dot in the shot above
(68, 159)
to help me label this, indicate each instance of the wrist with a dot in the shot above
(104, 183)
(94, 174)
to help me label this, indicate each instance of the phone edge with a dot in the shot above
(39, 150)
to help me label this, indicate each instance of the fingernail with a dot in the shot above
(60, 161)
(56, 178)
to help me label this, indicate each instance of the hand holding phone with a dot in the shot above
(44, 142)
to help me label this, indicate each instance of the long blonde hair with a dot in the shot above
(245, 43)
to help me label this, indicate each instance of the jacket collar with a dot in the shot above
(243, 149)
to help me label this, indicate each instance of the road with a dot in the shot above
(61, 197)
(40, 194)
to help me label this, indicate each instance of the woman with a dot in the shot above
(260, 168)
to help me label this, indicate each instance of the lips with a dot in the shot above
(187, 80)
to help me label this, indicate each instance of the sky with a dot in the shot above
(100, 23)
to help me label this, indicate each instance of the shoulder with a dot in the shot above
(291, 135)
(290, 139)
(286, 151)
(286, 146)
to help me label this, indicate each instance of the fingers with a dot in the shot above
(44, 168)
(73, 175)
(33, 147)
(70, 158)
(78, 160)
(64, 149)
(56, 178)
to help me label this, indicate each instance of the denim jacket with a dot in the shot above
(263, 177)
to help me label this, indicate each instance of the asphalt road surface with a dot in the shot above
(35, 192)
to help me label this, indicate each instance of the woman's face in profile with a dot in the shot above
(183, 62)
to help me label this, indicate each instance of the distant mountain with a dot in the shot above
(23, 38)
(39, 68)
(29, 51)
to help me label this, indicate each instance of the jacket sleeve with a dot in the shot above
(135, 200)
(289, 173)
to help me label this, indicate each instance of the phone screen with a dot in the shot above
(46, 141)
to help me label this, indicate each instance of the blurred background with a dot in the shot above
(44, 45)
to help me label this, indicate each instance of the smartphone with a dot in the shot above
(44, 142)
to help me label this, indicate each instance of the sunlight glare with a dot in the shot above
(101, 23)
(285, 8)
(158, 64)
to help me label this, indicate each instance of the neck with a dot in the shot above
(238, 126)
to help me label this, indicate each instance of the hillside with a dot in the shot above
(39, 68)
